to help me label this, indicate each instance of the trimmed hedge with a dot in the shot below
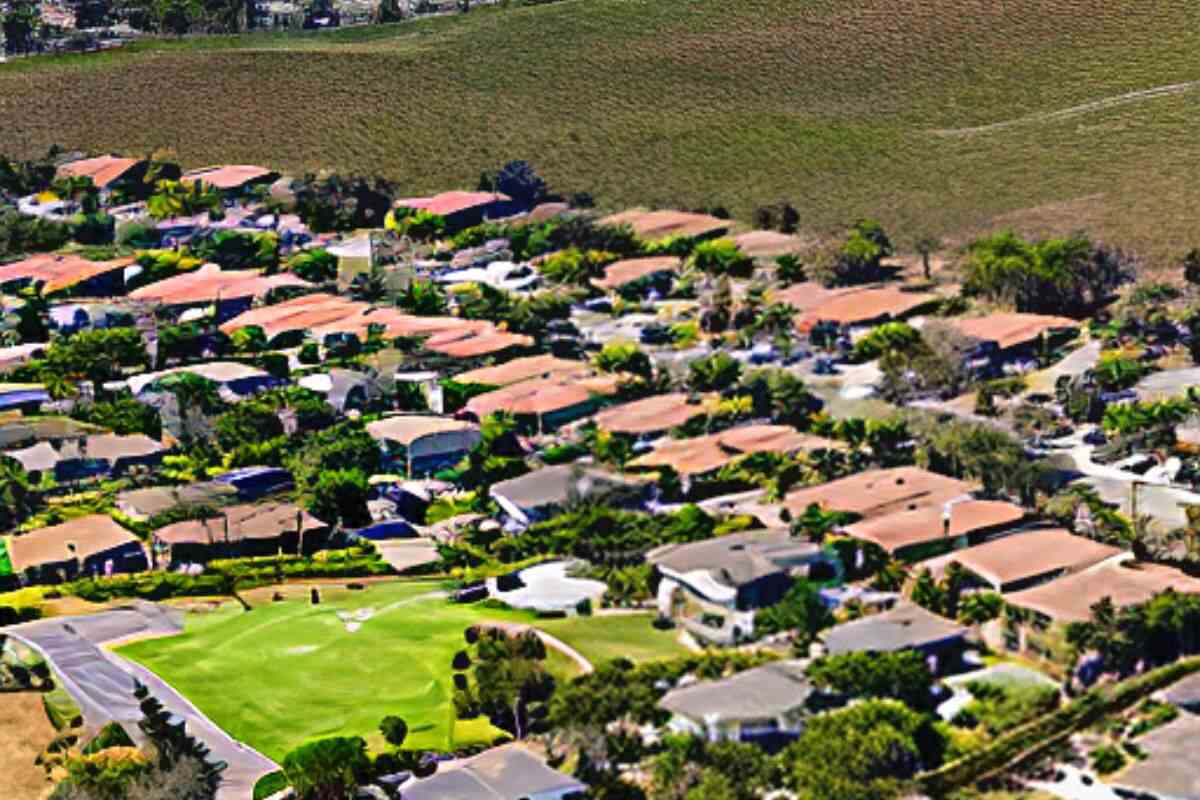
(269, 784)
(1035, 737)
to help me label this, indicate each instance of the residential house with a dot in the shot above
(107, 173)
(509, 772)
(1166, 765)
(523, 369)
(230, 180)
(767, 244)
(255, 483)
(650, 226)
(344, 389)
(234, 380)
(87, 546)
(654, 415)
(242, 531)
(463, 209)
(655, 272)
(17, 430)
(421, 445)
(541, 494)
(931, 529)
(543, 405)
(716, 585)
(1026, 559)
(52, 273)
(231, 292)
(90, 456)
(766, 705)
(905, 627)
(875, 493)
(142, 504)
(1005, 336)
(848, 309)
(478, 343)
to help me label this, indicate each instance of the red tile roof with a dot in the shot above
(210, 281)
(540, 396)
(767, 244)
(659, 412)
(1071, 598)
(226, 177)
(483, 343)
(653, 225)
(58, 271)
(880, 491)
(1010, 329)
(90, 535)
(1026, 555)
(448, 203)
(924, 525)
(702, 454)
(864, 305)
(523, 369)
(103, 170)
(631, 269)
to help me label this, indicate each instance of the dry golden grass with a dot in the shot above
(840, 106)
(24, 733)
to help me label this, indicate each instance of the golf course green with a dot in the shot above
(290, 671)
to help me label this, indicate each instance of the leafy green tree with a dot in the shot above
(98, 355)
(172, 198)
(624, 357)
(856, 260)
(800, 610)
(722, 257)
(316, 265)
(927, 593)
(122, 415)
(238, 249)
(716, 372)
(782, 396)
(247, 423)
(980, 607)
(17, 498)
(509, 677)
(341, 495)
(423, 298)
(496, 457)
(886, 338)
(172, 743)
(902, 676)
(328, 769)
(394, 730)
(575, 266)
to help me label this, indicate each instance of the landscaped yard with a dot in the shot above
(625, 635)
(285, 673)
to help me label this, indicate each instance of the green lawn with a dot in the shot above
(289, 672)
(844, 107)
(605, 637)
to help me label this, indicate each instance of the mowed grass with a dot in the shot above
(845, 107)
(601, 638)
(283, 674)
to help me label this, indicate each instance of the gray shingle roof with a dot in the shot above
(736, 559)
(760, 693)
(903, 627)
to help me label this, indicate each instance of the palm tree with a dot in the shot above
(926, 246)
(17, 499)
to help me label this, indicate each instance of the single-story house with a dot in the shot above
(90, 456)
(860, 307)
(420, 445)
(255, 483)
(540, 494)
(17, 430)
(905, 627)
(767, 244)
(459, 343)
(58, 272)
(877, 492)
(106, 172)
(1168, 770)
(509, 772)
(244, 530)
(1008, 333)
(655, 270)
(524, 369)
(235, 289)
(929, 529)
(722, 581)
(344, 389)
(86, 546)
(230, 180)
(463, 209)
(766, 705)
(1026, 559)
(26, 397)
(545, 404)
(653, 415)
(234, 379)
(650, 226)
(141, 504)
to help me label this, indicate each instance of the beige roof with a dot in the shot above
(523, 369)
(880, 491)
(483, 343)
(658, 412)
(864, 305)
(111, 447)
(1009, 329)
(653, 225)
(216, 371)
(703, 454)
(1027, 555)
(266, 521)
(452, 202)
(620, 273)
(210, 282)
(541, 395)
(91, 535)
(407, 428)
(57, 271)
(226, 177)
(102, 170)
(767, 244)
(924, 524)
(1069, 599)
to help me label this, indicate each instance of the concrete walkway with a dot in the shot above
(102, 683)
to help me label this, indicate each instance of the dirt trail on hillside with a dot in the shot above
(1073, 111)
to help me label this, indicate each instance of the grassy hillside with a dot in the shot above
(936, 115)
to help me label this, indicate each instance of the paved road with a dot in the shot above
(102, 683)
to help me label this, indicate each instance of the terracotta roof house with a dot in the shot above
(766, 705)
(654, 414)
(655, 225)
(509, 772)
(540, 494)
(478, 344)
(703, 454)
(92, 545)
(419, 445)
(463, 209)
(877, 492)
(1008, 330)
(234, 290)
(767, 244)
(1126, 583)
(864, 306)
(930, 529)
(105, 171)
(524, 369)
(621, 273)
(545, 403)
(245, 530)
(229, 178)
(57, 272)
(905, 627)
(1022, 560)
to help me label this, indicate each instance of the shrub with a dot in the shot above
(1107, 759)
(888, 337)
(714, 373)
(328, 768)
(270, 784)
(310, 353)
(317, 265)
(722, 257)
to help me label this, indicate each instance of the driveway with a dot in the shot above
(102, 683)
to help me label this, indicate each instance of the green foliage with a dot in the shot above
(902, 676)
(998, 707)
(509, 681)
(496, 457)
(316, 265)
(789, 269)
(1107, 759)
(722, 257)
(340, 495)
(158, 265)
(175, 199)
(423, 298)
(800, 610)
(173, 744)
(1116, 370)
(394, 730)
(1051, 276)
(238, 249)
(980, 607)
(716, 372)
(416, 224)
(782, 396)
(575, 266)
(270, 784)
(856, 260)
(17, 497)
(97, 355)
(122, 416)
(328, 769)
(20, 234)
(1131, 418)
(248, 422)
(619, 356)
(886, 338)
